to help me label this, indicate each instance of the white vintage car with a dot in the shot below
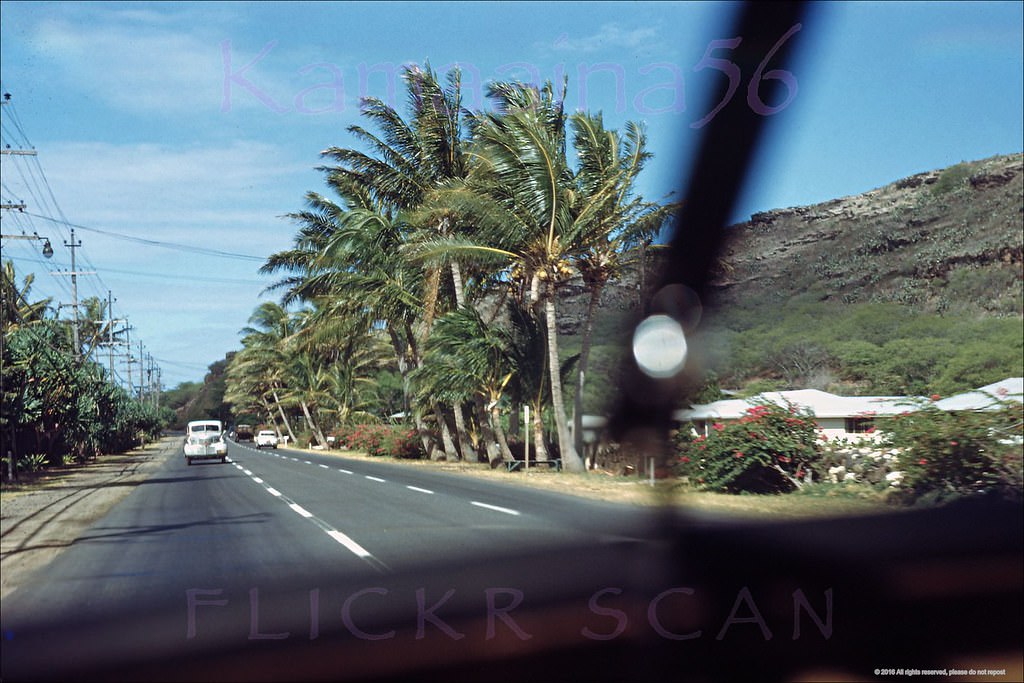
(266, 439)
(204, 439)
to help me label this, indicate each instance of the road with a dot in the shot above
(293, 566)
(274, 524)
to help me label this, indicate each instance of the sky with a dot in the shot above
(174, 138)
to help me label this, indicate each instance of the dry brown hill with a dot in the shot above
(947, 241)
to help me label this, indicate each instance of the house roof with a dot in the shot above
(826, 405)
(821, 403)
(989, 397)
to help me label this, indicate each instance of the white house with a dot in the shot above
(988, 397)
(848, 417)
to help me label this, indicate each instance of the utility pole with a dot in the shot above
(74, 292)
(128, 342)
(142, 364)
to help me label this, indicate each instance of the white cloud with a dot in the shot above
(610, 35)
(143, 61)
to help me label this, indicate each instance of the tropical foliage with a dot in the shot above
(771, 449)
(953, 454)
(436, 259)
(55, 407)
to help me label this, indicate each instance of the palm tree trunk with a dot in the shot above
(581, 368)
(571, 460)
(284, 418)
(537, 424)
(313, 425)
(450, 454)
(487, 432)
(465, 446)
(505, 453)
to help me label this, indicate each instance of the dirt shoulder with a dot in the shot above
(633, 490)
(42, 516)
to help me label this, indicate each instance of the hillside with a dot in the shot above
(946, 241)
(913, 286)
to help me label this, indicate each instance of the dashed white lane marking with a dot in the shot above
(353, 547)
(301, 510)
(326, 467)
(375, 479)
(417, 488)
(346, 471)
(507, 511)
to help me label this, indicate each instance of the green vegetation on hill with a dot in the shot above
(865, 349)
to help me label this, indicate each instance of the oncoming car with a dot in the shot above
(266, 438)
(204, 439)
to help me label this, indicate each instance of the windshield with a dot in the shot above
(594, 341)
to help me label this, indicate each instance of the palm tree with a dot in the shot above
(263, 353)
(611, 218)
(16, 308)
(520, 196)
(407, 159)
(467, 359)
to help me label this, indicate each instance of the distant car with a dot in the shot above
(204, 440)
(243, 432)
(266, 438)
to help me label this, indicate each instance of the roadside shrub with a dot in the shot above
(946, 455)
(381, 440)
(771, 449)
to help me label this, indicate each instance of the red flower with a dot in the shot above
(718, 426)
(953, 443)
(935, 397)
(685, 459)
(738, 454)
(869, 430)
(922, 461)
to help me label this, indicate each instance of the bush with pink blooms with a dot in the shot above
(771, 449)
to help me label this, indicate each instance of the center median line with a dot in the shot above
(340, 537)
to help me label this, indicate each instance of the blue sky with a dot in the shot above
(201, 125)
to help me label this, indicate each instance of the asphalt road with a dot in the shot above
(292, 566)
(196, 553)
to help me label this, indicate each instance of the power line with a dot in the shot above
(158, 243)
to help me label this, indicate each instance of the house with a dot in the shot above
(848, 417)
(989, 397)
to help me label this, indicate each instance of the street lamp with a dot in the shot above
(47, 247)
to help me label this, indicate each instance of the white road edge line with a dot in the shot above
(273, 491)
(417, 488)
(507, 511)
(346, 471)
(375, 479)
(257, 480)
(326, 467)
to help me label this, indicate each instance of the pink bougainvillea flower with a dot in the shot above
(739, 454)
(935, 397)
(718, 426)
(922, 461)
